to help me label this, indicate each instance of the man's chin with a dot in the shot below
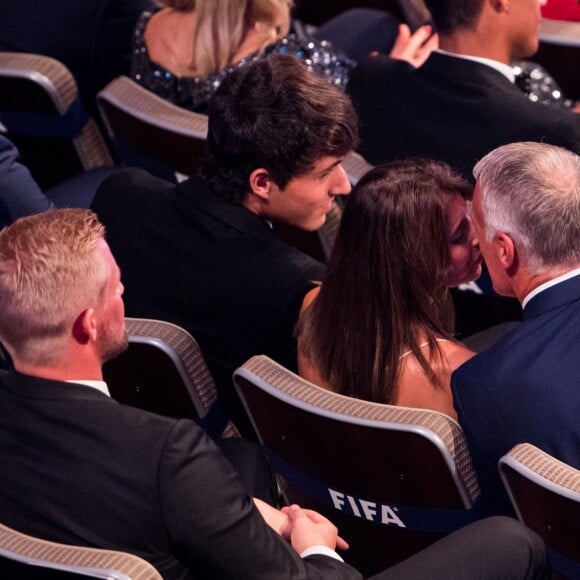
(315, 225)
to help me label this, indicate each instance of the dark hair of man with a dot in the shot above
(275, 114)
(387, 279)
(452, 15)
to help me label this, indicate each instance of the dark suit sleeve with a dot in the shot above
(19, 193)
(487, 435)
(213, 523)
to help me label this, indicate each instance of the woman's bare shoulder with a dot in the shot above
(455, 353)
(309, 298)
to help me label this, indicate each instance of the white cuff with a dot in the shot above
(322, 551)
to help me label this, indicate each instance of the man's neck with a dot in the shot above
(62, 372)
(475, 43)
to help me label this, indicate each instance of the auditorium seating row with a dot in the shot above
(41, 112)
(388, 476)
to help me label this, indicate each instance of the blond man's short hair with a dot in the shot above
(49, 274)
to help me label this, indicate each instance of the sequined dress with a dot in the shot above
(193, 93)
(538, 85)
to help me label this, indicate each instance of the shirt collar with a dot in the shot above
(505, 69)
(99, 385)
(549, 284)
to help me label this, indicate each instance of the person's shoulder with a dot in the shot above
(566, 131)
(555, 113)
(126, 186)
(473, 361)
(376, 75)
(481, 367)
(558, 125)
(134, 178)
(455, 353)
(383, 64)
(310, 298)
(138, 424)
(300, 265)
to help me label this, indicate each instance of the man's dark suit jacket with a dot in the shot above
(91, 37)
(526, 388)
(449, 109)
(208, 265)
(77, 467)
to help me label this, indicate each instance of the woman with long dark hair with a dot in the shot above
(380, 326)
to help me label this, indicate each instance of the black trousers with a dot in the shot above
(492, 549)
(495, 548)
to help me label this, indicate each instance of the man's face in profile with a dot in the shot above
(306, 199)
(112, 335)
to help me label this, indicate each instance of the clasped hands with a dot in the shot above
(304, 528)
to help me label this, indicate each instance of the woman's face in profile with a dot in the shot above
(282, 19)
(464, 254)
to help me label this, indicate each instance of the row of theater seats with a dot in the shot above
(43, 116)
(407, 470)
(387, 476)
(41, 112)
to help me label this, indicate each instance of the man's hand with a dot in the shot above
(275, 518)
(309, 528)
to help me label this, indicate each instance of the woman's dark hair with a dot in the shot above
(276, 114)
(385, 287)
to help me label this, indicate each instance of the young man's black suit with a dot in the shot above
(451, 109)
(208, 265)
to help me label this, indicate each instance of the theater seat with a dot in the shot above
(393, 479)
(163, 371)
(43, 116)
(545, 494)
(149, 132)
(24, 557)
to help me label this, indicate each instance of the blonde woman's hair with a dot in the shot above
(221, 26)
(49, 274)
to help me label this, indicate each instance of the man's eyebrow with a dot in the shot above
(331, 166)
